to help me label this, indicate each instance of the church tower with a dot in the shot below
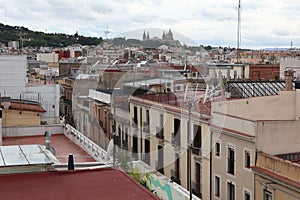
(144, 35)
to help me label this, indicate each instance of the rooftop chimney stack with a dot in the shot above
(289, 74)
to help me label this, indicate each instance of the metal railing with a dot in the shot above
(160, 133)
(196, 187)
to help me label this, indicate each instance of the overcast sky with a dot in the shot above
(265, 23)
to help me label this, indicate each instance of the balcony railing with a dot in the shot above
(134, 123)
(160, 133)
(146, 127)
(159, 167)
(175, 176)
(175, 139)
(196, 189)
(197, 151)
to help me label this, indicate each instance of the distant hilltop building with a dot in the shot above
(167, 36)
(146, 37)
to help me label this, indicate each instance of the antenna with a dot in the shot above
(239, 32)
(5, 16)
(107, 31)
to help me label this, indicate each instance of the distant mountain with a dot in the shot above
(38, 39)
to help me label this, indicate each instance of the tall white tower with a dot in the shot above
(106, 32)
(239, 35)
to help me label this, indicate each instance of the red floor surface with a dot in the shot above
(62, 145)
(100, 184)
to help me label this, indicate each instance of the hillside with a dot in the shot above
(38, 39)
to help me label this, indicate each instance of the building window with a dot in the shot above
(246, 195)
(147, 118)
(230, 161)
(218, 149)
(230, 191)
(217, 186)
(135, 116)
(247, 159)
(104, 120)
(197, 139)
(147, 122)
(267, 195)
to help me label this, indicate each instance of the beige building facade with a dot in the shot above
(275, 178)
(159, 137)
(242, 127)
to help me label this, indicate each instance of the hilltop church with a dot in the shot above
(167, 36)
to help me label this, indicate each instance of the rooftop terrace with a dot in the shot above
(62, 145)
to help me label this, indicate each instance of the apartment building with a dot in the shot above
(161, 127)
(240, 128)
(228, 70)
(100, 119)
(277, 177)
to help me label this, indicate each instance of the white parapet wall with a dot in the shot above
(94, 150)
(31, 130)
(159, 184)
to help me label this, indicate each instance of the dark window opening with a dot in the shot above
(230, 162)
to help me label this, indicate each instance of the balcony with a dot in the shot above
(159, 167)
(146, 128)
(160, 133)
(103, 126)
(176, 139)
(196, 189)
(175, 176)
(197, 151)
(134, 123)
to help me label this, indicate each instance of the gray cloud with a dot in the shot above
(209, 22)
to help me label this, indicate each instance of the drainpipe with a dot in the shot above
(210, 166)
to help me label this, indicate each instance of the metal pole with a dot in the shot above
(190, 174)
(190, 154)
(114, 150)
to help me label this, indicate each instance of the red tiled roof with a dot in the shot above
(26, 107)
(94, 184)
(231, 131)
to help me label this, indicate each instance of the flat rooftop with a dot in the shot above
(106, 183)
(62, 145)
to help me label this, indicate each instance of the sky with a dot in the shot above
(264, 23)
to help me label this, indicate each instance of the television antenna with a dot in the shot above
(106, 32)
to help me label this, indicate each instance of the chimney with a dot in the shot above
(228, 73)
(289, 74)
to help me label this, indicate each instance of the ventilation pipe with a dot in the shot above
(71, 162)
(47, 138)
(228, 73)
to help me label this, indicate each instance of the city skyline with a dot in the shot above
(264, 24)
